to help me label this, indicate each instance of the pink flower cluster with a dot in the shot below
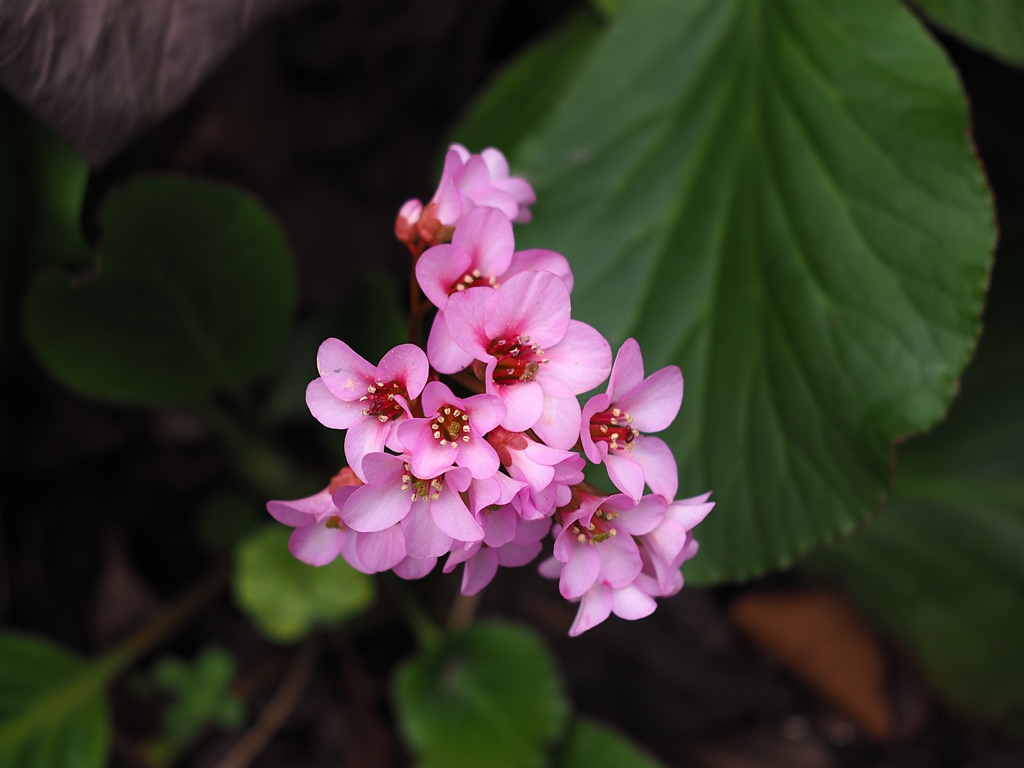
(483, 479)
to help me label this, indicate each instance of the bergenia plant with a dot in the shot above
(483, 478)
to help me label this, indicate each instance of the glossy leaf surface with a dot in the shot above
(488, 696)
(942, 568)
(994, 26)
(781, 199)
(525, 93)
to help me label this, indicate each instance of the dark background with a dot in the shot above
(333, 116)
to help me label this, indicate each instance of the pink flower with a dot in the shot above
(630, 602)
(531, 462)
(535, 358)
(479, 255)
(482, 559)
(319, 535)
(612, 424)
(596, 544)
(453, 433)
(366, 400)
(662, 549)
(467, 182)
(669, 544)
(480, 180)
(392, 493)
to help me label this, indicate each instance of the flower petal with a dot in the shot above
(329, 410)
(412, 568)
(373, 507)
(478, 571)
(486, 235)
(452, 517)
(581, 359)
(580, 573)
(345, 373)
(366, 435)
(301, 511)
(381, 550)
(438, 269)
(627, 475)
(659, 465)
(559, 422)
(442, 351)
(655, 402)
(406, 364)
(594, 608)
(464, 317)
(316, 544)
(631, 603)
(540, 260)
(422, 536)
(534, 304)
(628, 370)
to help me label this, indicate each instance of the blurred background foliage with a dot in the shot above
(782, 198)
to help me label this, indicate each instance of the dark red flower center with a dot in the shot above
(614, 427)
(380, 400)
(472, 280)
(518, 359)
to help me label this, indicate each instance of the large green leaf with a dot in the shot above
(942, 567)
(595, 745)
(487, 696)
(525, 93)
(193, 293)
(781, 198)
(287, 598)
(52, 708)
(995, 26)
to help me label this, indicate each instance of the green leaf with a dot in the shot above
(201, 698)
(58, 180)
(287, 598)
(52, 708)
(487, 695)
(780, 198)
(524, 94)
(994, 26)
(193, 293)
(595, 745)
(942, 568)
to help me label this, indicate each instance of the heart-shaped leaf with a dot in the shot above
(193, 293)
(780, 198)
(52, 708)
(99, 71)
(287, 598)
(995, 26)
(487, 696)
